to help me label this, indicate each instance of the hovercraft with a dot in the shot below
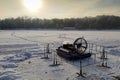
(74, 51)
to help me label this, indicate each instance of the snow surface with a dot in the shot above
(21, 53)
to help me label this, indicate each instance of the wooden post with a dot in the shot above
(81, 72)
(54, 58)
(100, 51)
(44, 51)
(106, 59)
(96, 49)
(48, 48)
(103, 53)
(103, 57)
(95, 58)
(91, 48)
(80, 67)
(95, 54)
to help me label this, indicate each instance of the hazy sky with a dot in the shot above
(61, 8)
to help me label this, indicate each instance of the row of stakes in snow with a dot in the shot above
(48, 52)
(103, 58)
(101, 51)
(92, 48)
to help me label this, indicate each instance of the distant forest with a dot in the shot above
(102, 22)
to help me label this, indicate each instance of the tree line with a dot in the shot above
(102, 22)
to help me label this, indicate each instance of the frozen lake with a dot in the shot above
(34, 36)
(26, 38)
(27, 46)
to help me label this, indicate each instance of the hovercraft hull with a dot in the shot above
(71, 56)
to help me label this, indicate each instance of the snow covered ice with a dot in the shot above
(21, 52)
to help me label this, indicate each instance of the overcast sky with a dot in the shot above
(61, 8)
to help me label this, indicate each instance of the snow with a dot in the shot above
(21, 53)
(8, 65)
(8, 75)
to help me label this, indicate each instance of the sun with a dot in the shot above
(32, 5)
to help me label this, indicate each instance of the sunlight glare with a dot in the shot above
(33, 5)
